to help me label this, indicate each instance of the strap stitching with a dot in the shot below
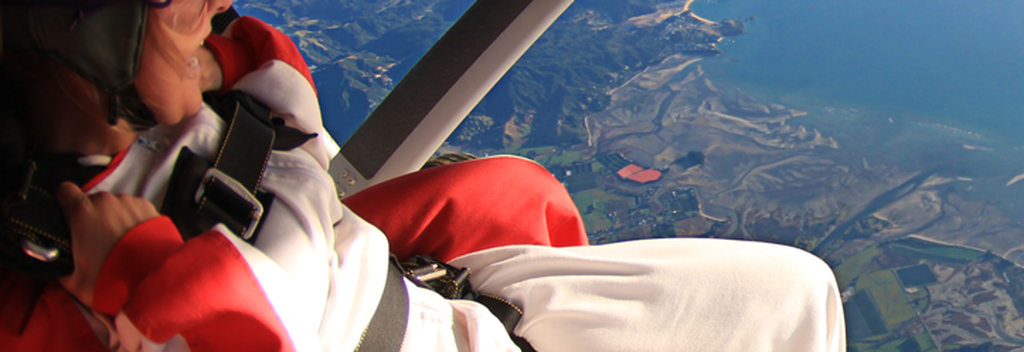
(34, 230)
(502, 300)
(363, 337)
(220, 153)
(231, 128)
(266, 160)
(40, 190)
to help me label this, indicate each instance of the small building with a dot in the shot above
(645, 176)
(581, 182)
(629, 170)
(636, 173)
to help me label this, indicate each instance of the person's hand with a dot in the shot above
(97, 222)
(211, 78)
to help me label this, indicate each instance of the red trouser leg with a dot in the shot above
(451, 210)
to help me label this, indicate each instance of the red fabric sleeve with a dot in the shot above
(253, 43)
(40, 315)
(136, 254)
(452, 210)
(206, 292)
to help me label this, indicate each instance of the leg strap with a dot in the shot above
(387, 328)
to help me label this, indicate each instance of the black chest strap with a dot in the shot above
(34, 239)
(202, 193)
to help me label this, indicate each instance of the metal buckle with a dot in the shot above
(41, 253)
(428, 273)
(448, 281)
(213, 175)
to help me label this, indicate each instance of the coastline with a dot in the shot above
(667, 12)
(686, 8)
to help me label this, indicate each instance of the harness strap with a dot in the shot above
(202, 193)
(386, 330)
(247, 144)
(509, 315)
(453, 283)
(34, 238)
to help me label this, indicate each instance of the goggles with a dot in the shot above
(101, 40)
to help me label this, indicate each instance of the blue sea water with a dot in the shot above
(952, 62)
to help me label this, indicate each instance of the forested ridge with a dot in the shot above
(358, 50)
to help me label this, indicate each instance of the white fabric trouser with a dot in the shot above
(666, 295)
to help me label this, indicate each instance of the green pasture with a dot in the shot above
(918, 343)
(567, 157)
(927, 344)
(602, 203)
(854, 266)
(584, 199)
(595, 222)
(935, 251)
(919, 300)
(889, 297)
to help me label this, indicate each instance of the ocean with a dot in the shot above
(952, 62)
(915, 84)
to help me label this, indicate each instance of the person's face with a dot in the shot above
(167, 81)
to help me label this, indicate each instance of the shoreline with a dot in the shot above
(664, 13)
(686, 9)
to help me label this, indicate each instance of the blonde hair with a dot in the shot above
(159, 35)
(159, 39)
(36, 71)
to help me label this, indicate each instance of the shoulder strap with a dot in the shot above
(224, 190)
(34, 239)
(225, 195)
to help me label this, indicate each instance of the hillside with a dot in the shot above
(358, 50)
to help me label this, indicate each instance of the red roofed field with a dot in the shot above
(629, 170)
(645, 176)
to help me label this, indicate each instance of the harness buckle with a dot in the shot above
(43, 254)
(232, 197)
(448, 281)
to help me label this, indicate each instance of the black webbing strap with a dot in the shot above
(387, 328)
(508, 314)
(242, 158)
(34, 239)
(453, 283)
(246, 147)
(203, 193)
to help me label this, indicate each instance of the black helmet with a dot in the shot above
(99, 40)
